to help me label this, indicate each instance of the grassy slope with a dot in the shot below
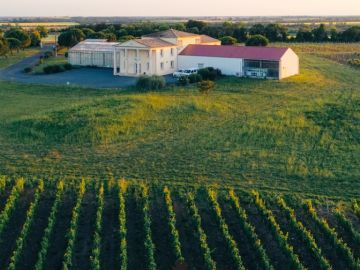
(301, 134)
(16, 57)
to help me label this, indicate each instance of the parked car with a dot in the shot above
(185, 72)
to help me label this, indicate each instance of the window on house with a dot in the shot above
(172, 64)
(148, 53)
(172, 51)
(162, 52)
(162, 65)
(148, 66)
(200, 65)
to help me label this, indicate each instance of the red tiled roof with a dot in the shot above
(256, 53)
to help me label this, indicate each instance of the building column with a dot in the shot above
(150, 62)
(126, 61)
(114, 59)
(137, 61)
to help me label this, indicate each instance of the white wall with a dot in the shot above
(289, 64)
(228, 66)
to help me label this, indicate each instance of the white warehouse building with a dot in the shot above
(258, 62)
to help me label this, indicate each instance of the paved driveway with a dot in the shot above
(85, 77)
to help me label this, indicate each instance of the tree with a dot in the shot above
(42, 30)
(71, 37)
(351, 34)
(20, 35)
(87, 32)
(35, 38)
(334, 35)
(320, 34)
(227, 40)
(304, 34)
(4, 46)
(198, 24)
(241, 34)
(97, 35)
(275, 32)
(257, 29)
(121, 33)
(257, 40)
(14, 44)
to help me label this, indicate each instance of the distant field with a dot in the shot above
(30, 25)
(300, 135)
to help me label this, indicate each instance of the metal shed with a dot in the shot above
(93, 52)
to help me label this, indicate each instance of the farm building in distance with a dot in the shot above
(259, 62)
(165, 52)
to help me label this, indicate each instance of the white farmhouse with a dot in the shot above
(241, 61)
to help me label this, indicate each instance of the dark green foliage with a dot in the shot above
(228, 40)
(35, 38)
(28, 69)
(355, 62)
(96, 35)
(53, 69)
(4, 46)
(257, 40)
(71, 37)
(67, 66)
(209, 73)
(154, 82)
(14, 44)
(351, 34)
(20, 35)
(183, 80)
(320, 33)
(193, 78)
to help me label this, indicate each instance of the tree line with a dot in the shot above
(16, 38)
(228, 32)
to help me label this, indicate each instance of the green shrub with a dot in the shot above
(53, 69)
(183, 80)
(48, 54)
(355, 62)
(67, 66)
(209, 73)
(194, 78)
(206, 86)
(28, 69)
(257, 40)
(150, 82)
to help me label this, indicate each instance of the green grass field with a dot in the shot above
(298, 135)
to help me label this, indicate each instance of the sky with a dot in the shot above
(178, 7)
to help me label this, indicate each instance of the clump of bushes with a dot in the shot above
(150, 82)
(48, 54)
(206, 86)
(57, 68)
(194, 78)
(28, 70)
(183, 80)
(209, 73)
(355, 62)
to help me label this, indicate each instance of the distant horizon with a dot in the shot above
(188, 8)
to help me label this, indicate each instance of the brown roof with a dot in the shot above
(171, 33)
(154, 42)
(207, 39)
(255, 53)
